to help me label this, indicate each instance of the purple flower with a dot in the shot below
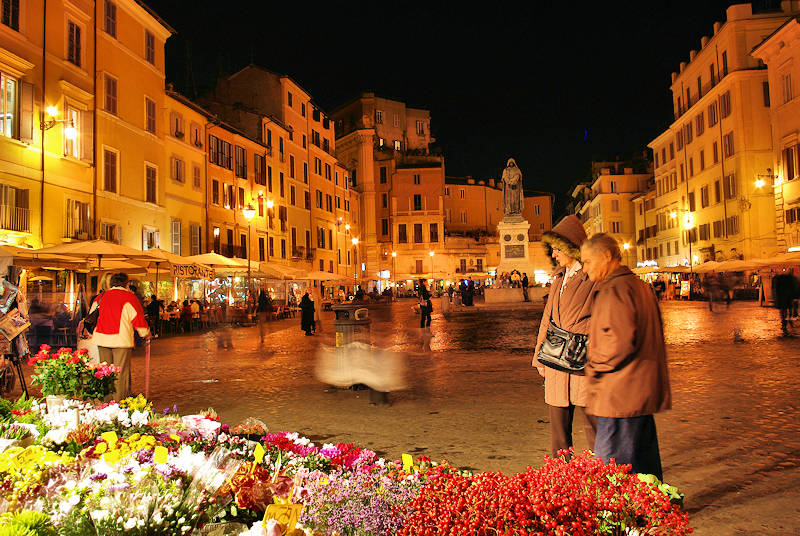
(98, 476)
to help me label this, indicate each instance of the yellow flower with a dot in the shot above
(101, 448)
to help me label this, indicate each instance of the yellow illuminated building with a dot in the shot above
(708, 161)
(781, 52)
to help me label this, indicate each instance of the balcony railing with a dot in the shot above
(77, 228)
(13, 218)
(232, 251)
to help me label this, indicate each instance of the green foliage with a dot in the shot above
(28, 523)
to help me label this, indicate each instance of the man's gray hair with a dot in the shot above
(602, 242)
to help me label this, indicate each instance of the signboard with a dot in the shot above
(515, 252)
(192, 271)
(685, 286)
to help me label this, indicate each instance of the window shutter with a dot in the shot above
(157, 238)
(26, 112)
(145, 245)
(87, 136)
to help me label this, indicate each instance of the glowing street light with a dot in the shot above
(760, 183)
(249, 213)
(355, 241)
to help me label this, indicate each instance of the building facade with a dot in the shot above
(709, 159)
(781, 52)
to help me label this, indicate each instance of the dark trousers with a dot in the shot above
(424, 316)
(525, 294)
(561, 428)
(786, 316)
(630, 440)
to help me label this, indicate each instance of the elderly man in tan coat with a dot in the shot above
(627, 362)
(568, 306)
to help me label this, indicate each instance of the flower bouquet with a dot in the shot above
(67, 373)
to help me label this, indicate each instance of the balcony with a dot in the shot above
(13, 218)
(232, 251)
(300, 253)
(77, 227)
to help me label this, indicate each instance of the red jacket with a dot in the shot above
(120, 314)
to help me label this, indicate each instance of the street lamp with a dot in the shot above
(249, 213)
(394, 273)
(354, 241)
(433, 272)
(626, 246)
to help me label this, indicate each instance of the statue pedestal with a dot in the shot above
(514, 255)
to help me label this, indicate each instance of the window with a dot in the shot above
(717, 192)
(786, 87)
(663, 155)
(382, 175)
(291, 165)
(195, 239)
(417, 233)
(700, 123)
(111, 94)
(704, 197)
(463, 216)
(259, 169)
(397, 145)
(307, 199)
(420, 128)
(150, 238)
(725, 105)
(434, 236)
(385, 200)
(243, 250)
(215, 192)
(320, 238)
(705, 231)
(792, 215)
(109, 171)
(149, 47)
(765, 91)
(613, 186)
(384, 226)
(111, 232)
(240, 168)
(724, 63)
(379, 117)
(318, 197)
(8, 105)
(72, 146)
(688, 135)
(790, 162)
(281, 185)
(702, 160)
(177, 169)
(727, 145)
(417, 202)
(176, 125)
(328, 202)
(317, 166)
(699, 87)
(732, 225)
(261, 248)
(271, 247)
(461, 193)
(14, 208)
(729, 187)
(616, 227)
(73, 43)
(150, 184)
(396, 120)
(416, 178)
(292, 196)
(338, 202)
(614, 205)
(150, 115)
(303, 109)
(110, 17)
(283, 248)
(241, 196)
(229, 200)
(289, 99)
(197, 136)
(176, 237)
(692, 206)
(717, 228)
(269, 178)
(679, 139)
(671, 151)
(712, 114)
(305, 172)
(715, 152)
(712, 74)
(401, 234)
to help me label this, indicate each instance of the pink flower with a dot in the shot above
(98, 375)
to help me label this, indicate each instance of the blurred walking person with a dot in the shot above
(120, 313)
(626, 369)
(425, 305)
(568, 307)
(785, 289)
(263, 310)
(307, 311)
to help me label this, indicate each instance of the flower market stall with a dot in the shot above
(79, 465)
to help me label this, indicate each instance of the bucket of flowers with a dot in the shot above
(67, 374)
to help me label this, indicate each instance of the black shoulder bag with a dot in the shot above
(563, 350)
(90, 322)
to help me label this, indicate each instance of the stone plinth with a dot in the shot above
(513, 237)
(508, 295)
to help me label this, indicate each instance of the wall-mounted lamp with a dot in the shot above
(49, 121)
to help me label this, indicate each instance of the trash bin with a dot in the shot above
(352, 324)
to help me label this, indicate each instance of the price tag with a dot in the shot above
(160, 454)
(24, 458)
(408, 462)
(285, 514)
(258, 453)
(110, 438)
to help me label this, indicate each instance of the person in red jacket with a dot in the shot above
(120, 313)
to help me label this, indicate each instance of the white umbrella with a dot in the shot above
(101, 249)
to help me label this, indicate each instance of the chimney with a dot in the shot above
(682, 66)
(717, 26)
(673, 76)
(692, 54)
(703, 42)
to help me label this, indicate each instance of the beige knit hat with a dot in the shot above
(568, 236)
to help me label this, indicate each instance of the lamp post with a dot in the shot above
(354, 241)
(249, 212)
(433, 272)
(270, 204)
(626, 246)
(394, 273)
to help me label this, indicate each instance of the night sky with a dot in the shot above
(554, 85)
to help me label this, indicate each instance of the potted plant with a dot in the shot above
(99, 381)
(67, 374)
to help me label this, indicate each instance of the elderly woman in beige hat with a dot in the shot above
(569, 306)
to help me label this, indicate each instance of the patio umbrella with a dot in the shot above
(184, 264)
(222, 263)
(101, 249)
(323, 276)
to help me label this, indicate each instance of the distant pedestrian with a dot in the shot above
(307, 311)
(450, 291)
(154, 310)
(711, 289)
(568, 307)
(470, 292)
(120, 314)
(525, 287)
(785, 288)
(626, 369)
(263, 310)
(425, 305)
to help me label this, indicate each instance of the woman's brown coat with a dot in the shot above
(570, 310)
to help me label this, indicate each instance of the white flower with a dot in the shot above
(129, 524)
(302, 441)
(292, 436)
(99, 515)
(140, 418)
(327, 446)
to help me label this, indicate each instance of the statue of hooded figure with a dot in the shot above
(512, 189)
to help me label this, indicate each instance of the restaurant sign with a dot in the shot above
(192, 271)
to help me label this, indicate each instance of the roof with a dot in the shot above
(153, 14)
(476, 182)
(770, 36)
(281, 75)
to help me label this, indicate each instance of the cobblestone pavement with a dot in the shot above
(731, 442)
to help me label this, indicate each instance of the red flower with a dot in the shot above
(83, 351)
(20, 411)
(44, 348)
(73, 359)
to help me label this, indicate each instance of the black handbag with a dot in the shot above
(563, 350)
